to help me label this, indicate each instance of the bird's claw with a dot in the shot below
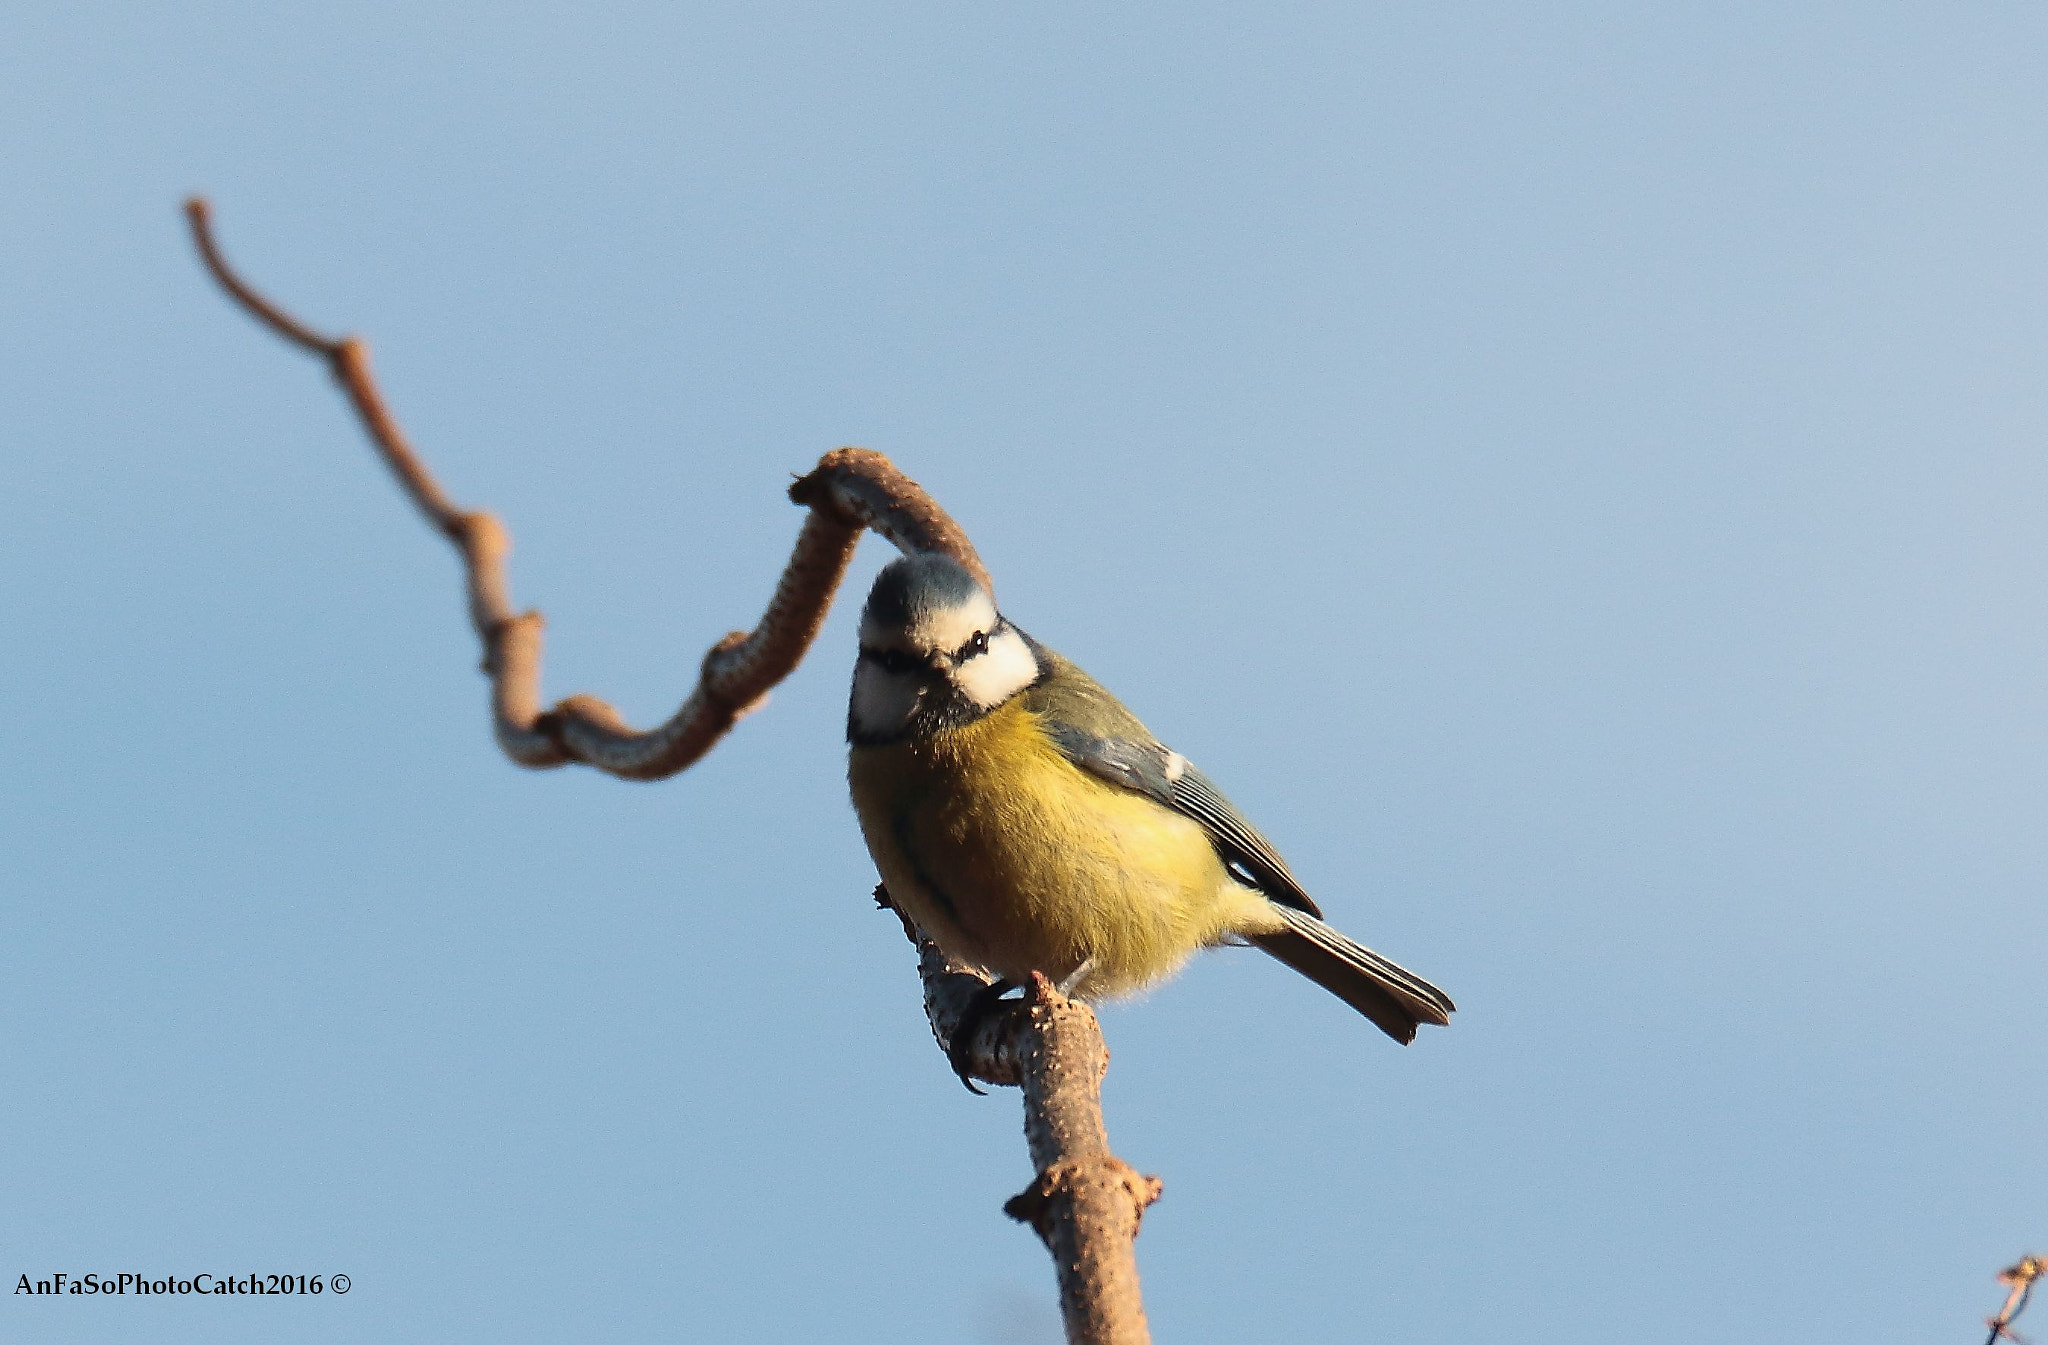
(978, 1009)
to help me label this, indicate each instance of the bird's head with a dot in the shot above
(934, 652)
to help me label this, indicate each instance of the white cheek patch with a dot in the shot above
(988, 679)
(883, 702)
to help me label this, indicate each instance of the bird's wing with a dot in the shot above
(1157, 771)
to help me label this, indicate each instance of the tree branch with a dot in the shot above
(1085, 1202)
(2019, 1279)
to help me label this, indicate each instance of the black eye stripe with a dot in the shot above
(898, 661)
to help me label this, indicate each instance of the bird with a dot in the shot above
(1027, 822)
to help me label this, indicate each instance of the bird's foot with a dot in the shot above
(985, 1002)
(1075, 978)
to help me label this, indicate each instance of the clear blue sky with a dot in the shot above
(1574, 473)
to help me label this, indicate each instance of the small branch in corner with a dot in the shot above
(2020, 1279)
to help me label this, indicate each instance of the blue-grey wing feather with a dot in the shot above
(1151, 768)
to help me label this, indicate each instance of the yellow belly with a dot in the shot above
(1016, 860)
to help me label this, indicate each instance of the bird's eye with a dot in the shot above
(978, 644)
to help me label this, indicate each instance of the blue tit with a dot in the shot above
(1026, 821)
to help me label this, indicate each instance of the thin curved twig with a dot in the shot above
(850, 489)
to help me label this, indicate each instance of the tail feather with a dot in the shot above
(1391, 995)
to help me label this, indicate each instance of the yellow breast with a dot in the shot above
(1013, 858)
